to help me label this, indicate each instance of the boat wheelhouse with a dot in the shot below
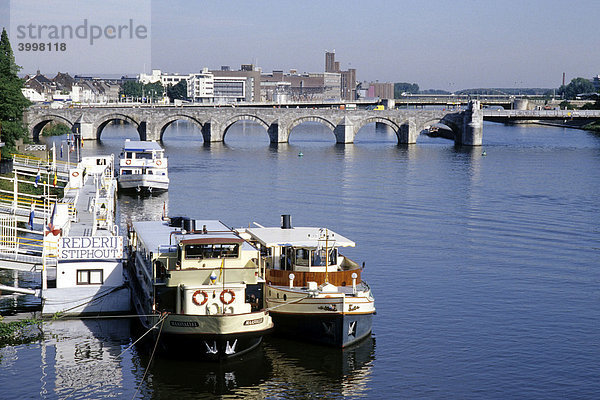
(314, 293)
(143, 167)
(202, 286)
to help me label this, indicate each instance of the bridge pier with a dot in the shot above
(408, 132)
(84, 128)
(472, 130)
(344, 131)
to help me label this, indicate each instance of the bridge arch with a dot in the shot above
(163, 124)
(36, 126)
(104, 120)
(394, 125)
(243, 117)
(309, 118)
(456, 129)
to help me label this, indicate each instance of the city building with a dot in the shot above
(383, 90)
(280, 87)
(347, 78)
(165, 79)
(200, 87)
(235, 86)
(596, 82)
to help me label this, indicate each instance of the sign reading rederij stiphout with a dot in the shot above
(90, 248)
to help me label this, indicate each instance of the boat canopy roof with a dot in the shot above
(298, 237)
(159, 233)
(140, 146)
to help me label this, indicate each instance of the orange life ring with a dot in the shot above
(128, 162)
(195, 300)
(75, 174)
(222, 297)
(158, 162)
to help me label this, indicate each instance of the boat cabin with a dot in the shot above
(310, 253)
(142, 157)
(178, 257)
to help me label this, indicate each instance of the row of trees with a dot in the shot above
(12, 101)
(576, 87)
(153, 92)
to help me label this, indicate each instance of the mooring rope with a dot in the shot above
(289, 302)
(160, 321)
(151, 357)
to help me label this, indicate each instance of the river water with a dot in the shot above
(485, 268)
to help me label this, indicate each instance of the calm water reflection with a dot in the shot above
(484, 268)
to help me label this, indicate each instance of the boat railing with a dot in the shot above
(339, 278)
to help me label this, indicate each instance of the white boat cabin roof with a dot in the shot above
(157, 234)
(141, 146)
(298, 237)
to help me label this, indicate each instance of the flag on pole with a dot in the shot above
(37, 179)
(54, 180)
(61, 150)
(51, 228)
(32, 215)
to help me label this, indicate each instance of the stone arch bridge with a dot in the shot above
(214, 122)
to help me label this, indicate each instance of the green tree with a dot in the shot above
(405, 87)
(12, 101)
(178, 91)
(575, 87)
(138, 90)
(131, 89)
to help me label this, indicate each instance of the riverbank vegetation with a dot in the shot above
(55, 129)
(12, 101)
(23, 331)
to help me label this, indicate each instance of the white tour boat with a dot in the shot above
(313, 292)
(143, 167)
(83, 251)
(199, 285)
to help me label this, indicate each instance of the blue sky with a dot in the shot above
(448, 45)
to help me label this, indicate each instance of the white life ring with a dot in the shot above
(158, 162)
(128, 162)
(75, 174)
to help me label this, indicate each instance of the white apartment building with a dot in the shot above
(165, 79)
(201, 86)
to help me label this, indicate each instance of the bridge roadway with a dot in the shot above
(214, 122)
(151, 122)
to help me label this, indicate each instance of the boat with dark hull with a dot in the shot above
(201, 291)
(313, 292)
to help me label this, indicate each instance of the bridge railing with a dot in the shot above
(559, 114)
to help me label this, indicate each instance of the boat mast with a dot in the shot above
(326, 257)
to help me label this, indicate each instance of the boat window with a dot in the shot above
(128, 154)
(224, 250)
(90, 277)
(318, 257)
(125, 172)
(146, 156)
(302, 257)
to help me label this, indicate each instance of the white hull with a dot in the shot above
(154, 182)
(284, 300)
(74, 301)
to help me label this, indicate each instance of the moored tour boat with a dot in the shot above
(313, 292)
(143, 167)
(83, 251)
(200, 290)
